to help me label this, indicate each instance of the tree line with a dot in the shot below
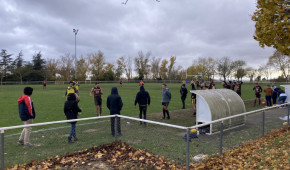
(143, 66)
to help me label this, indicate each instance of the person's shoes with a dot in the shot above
(20, 142)
(119, 134)
(28, 145)
(168, 117)
(75, 138)
(70, 139)
(113, 135)
(194, 114)
(163, 118)
(140, 123)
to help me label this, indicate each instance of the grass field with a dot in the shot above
(49, 103)
(159, 140)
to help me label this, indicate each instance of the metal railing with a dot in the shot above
(3, 129)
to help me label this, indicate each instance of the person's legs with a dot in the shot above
(183, 102)
(140, 113)
(113, 126)
(119, 126)
(166, 111)
(100, 110)
(268, 99)
(274, 100)
(25, 135)
(163, 109)
(144, 113)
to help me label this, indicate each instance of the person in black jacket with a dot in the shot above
(27, 114)
(71, 110)
(183, 93)
(115, 104)
(143, 99)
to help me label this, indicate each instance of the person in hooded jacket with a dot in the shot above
(71, 110)
(183, 93)
(143, 99)
(27, 114)
(115, 104)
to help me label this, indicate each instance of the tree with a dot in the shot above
(163, 69)
(18, 68)
(97, 62)
(83, 67)
(264, 70)
(225, 67)
(171, 70)
(121, 66)
(273, 24)
(280, 62)
(142, 66)
(206, 66)
(5, 64)
(240, 74)
(38, 64)
(65, 67)
(109, 72)
(251, 73)
(155, 67)
(51, 69)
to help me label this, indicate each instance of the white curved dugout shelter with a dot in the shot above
(216, 104)
(287, 91)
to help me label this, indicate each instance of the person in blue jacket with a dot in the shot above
(27, 114)
(166, 97)
(115, 104)
(143, 99)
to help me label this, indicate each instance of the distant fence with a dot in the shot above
(172, 141)
(124, 81)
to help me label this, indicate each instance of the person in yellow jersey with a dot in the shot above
(76, 84)
(71, 89)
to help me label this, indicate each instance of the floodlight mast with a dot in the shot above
(76, 66)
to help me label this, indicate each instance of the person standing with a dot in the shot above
(239, 88)
(258, 90)
(76, 84)
(183, 93)
(115, 104)
(143, 99)
(71, 110)
(225, 85)
(193, 99)
(27, 114)
(166, 97)
(274, 95)
(44, 84)
(141, 83)
(71, 89)
(121, 82)
(97, 98)
(268, 93)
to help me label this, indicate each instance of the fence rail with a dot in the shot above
(186, 129)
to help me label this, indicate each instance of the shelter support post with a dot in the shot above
(2, 149)
(288, 114)
(221, 137)
(263, 123)
(187, 148)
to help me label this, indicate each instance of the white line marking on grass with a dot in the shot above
(61, 127)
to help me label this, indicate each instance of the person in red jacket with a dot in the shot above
(27, 114)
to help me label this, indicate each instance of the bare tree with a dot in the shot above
(155, 67)
(65, 67)
(97, 62)
(280, 62)
(142, 66)
(251, 73)
(225, 67)
(264, 70)
(51, 69)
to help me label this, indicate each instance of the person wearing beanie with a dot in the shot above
(27, 114)
(183, 93)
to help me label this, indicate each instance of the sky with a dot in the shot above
(187, 29)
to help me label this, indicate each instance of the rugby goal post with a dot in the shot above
(193, 76)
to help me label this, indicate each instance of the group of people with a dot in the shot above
(271, 95)
(115, 104)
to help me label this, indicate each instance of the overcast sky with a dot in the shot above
(187, 29)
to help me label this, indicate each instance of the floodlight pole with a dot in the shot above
(76, 66)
